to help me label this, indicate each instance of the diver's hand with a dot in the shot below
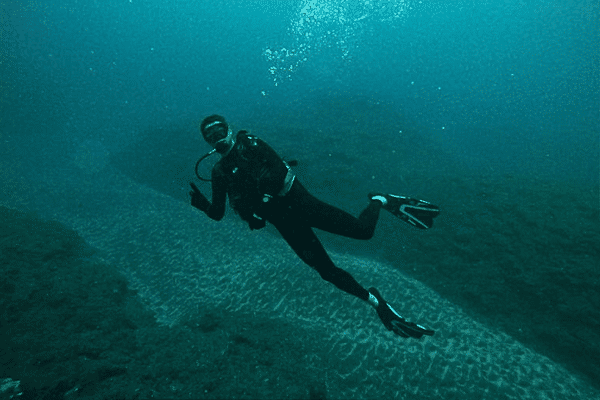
(256, 223)
(198, 199)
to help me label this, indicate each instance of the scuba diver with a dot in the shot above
(263, 188)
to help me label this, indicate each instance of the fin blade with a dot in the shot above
(418, 213)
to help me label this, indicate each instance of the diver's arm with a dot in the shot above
(216, 210)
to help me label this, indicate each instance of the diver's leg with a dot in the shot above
(307, 246)
(321, 215)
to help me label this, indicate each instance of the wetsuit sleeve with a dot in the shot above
(216, 210)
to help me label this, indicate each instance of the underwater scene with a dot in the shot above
(114, 287)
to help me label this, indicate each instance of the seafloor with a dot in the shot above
(72, 328)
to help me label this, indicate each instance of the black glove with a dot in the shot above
(255, 222)
(198, 199)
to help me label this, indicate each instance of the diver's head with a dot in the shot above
(217, 133)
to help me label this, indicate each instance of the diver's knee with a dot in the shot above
(365, 234)
(330, 274)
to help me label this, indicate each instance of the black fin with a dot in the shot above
(418, 213)
(406, 329)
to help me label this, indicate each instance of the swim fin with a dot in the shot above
(418, 213)
(394, 321)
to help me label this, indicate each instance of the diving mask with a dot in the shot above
(224, 144)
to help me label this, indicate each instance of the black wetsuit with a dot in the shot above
(257, 182)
